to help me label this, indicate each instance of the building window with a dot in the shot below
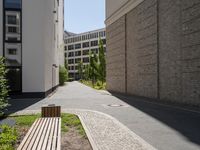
(94, 43)
(78, 53)
(95, 50)
(70, 47)
(71, 67)
(77, 60)
(83, 37)
(86, 52)
(78, 46)
(86, 44)
(14, 79)
(12, 29)
(65, 47)
(71, 54)
(76, 67)
(13, 4)
(86, 59)
(70, 61)
(12, 39)
(12, 19)
(104, 41)
(102, 34)
(12, 51)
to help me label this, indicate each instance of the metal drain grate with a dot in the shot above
(115, 105)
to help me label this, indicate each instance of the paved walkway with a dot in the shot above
(104, 131)
(164, 127)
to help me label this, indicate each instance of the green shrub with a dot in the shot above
(8, 137)
(3, 86)
(62, 75)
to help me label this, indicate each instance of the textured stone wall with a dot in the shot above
(115, 68)
(159, 52)
(142, 50)
(190, 51)
(169, 50)
(179, 40)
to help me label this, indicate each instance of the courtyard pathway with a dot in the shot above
(164, 127)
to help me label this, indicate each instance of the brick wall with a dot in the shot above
(169, 50)
(158, 55)
(115, 68)
(142, 50)
(190, 51)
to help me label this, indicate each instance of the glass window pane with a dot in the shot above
(13, 4)
(14, 79)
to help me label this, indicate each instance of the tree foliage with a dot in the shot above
(80, 69)
(96, 70)
(87, 72)
(102, 62)
(62, 75)
(66, 67)
(3, 86)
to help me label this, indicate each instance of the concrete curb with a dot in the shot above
(94, 147)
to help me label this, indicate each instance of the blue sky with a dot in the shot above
(84, 15)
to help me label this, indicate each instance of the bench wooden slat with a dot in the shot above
(44, 146)
(55, 135)
(59, 134)
(33, 139)
(27, 143)
(38, 137)
(51, 135)
(43, 134)
(28, 134)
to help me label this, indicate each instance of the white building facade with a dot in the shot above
(31, 40)
(78, 47)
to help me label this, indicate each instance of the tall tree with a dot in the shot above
(66, 64)
(80, 69)
(102, 62)
(66, 67)
(93, 67)
(87, 72)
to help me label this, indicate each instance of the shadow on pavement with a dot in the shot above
(20, 104)
(185, 122)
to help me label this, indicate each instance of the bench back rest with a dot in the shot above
(51, 111)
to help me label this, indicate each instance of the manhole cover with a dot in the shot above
(115, 105)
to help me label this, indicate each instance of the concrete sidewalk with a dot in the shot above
(104, 132)
(164, 127)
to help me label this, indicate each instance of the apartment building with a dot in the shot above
(78, 47)
(153, 49)
(31, 40)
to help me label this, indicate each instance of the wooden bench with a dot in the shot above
(44, 134)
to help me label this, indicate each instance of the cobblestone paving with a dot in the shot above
(104, 131)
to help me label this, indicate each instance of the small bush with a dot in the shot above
(62, 75)
(3, 87)
(8, 137)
